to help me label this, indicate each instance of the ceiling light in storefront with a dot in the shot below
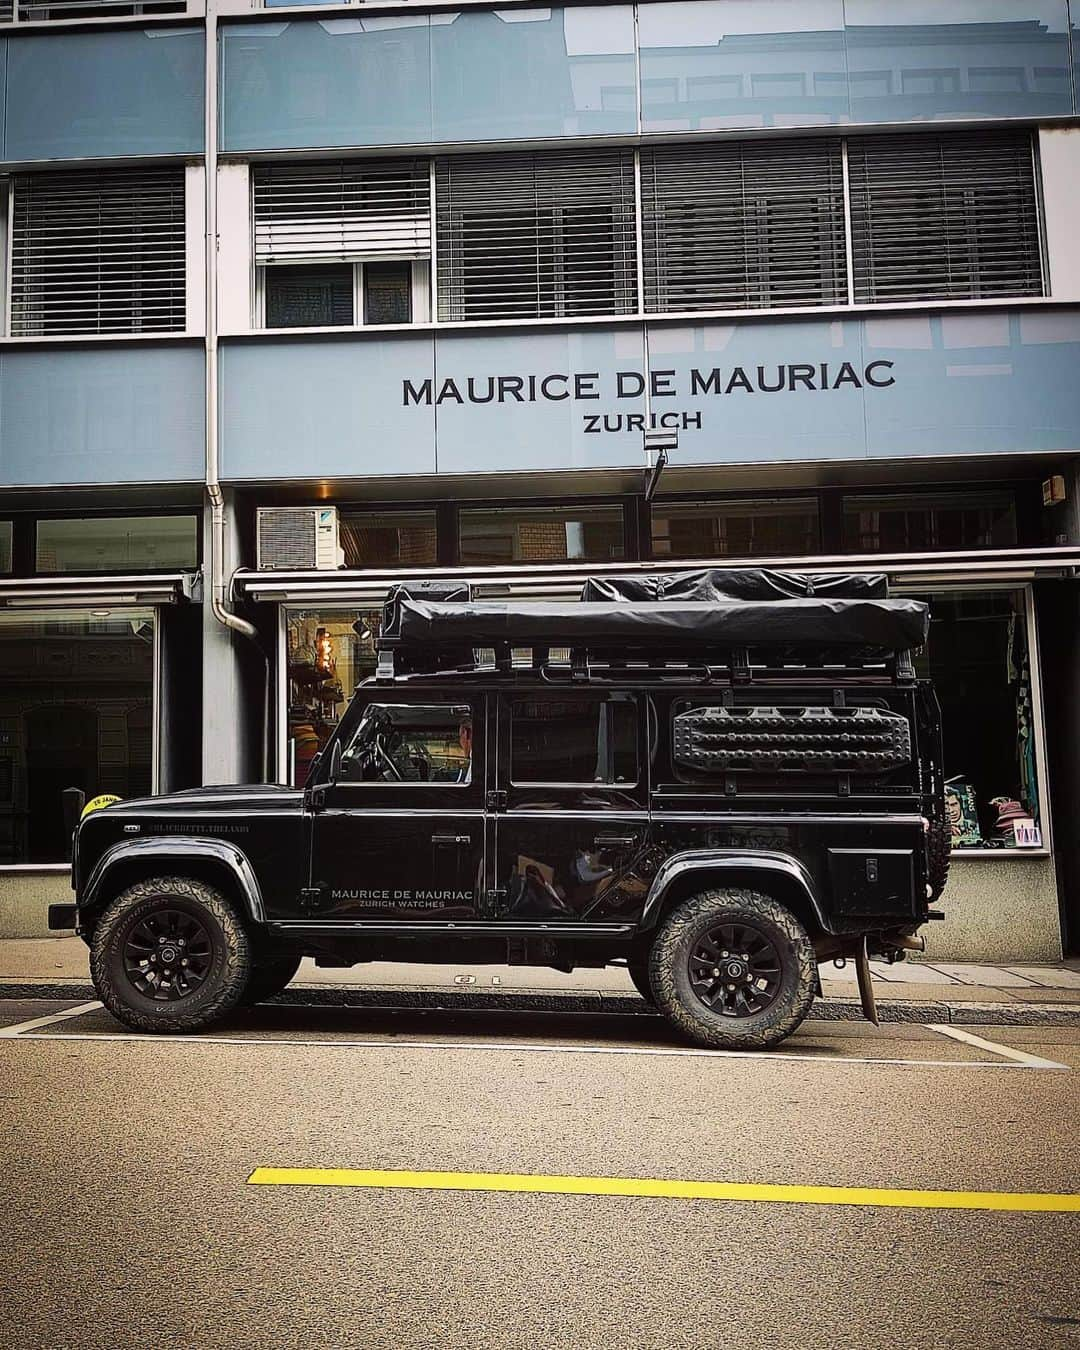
(101, 613)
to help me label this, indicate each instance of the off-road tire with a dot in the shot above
(670, 972)
(269, 976)
(938, 857)
(638, 970)
(230, 956)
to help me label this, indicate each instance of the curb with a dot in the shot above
(596, 1001)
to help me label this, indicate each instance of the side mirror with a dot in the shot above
(315, 792)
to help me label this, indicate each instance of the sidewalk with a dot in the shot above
(907, 992)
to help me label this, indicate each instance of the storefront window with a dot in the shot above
(929, 523)
(757, 528)
(542, 534)
(388, 538)
(117, 544)
(76, 710)
(979, 661)
(325, 659)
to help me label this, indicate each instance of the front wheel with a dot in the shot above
(733, 970)
(170, 955)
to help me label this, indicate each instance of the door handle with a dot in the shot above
(615, 841)
(458, 840)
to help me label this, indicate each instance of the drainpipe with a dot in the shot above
(217, 586)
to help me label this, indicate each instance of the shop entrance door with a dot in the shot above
(401, 835)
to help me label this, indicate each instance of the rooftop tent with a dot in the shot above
(714, 585)
(651, 625)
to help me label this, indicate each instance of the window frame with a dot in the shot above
(179, 296)
(601, 699)
(347, 794)
(50, 517)
(419, 298)
(927, 591)
(454, 711)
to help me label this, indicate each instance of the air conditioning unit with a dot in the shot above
(294, 538)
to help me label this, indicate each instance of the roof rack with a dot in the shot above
(755, 625)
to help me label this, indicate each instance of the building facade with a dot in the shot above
(427, 274)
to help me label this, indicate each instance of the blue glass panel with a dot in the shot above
(124, 414)
(762, 391)
(713, 64)
(129, 92)
(957, 58)
(326, 82)
(334, 408)
(964, 383)
(533, 72)
(520, 401)
(986, 382)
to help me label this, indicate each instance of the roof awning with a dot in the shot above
(72, 592)
(554, 580)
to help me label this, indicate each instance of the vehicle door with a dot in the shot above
(571, 820)
(399, 834)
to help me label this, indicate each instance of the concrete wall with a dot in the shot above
(998, 909)
(25, 898)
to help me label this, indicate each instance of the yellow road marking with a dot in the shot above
(661, 1188)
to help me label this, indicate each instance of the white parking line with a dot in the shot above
(1015, 1061)
(1020, 1056)
(21, 1028)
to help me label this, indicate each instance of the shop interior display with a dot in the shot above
(325, 660)
(979, 658)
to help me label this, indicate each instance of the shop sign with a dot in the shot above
(696, 383)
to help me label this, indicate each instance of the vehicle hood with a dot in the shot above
(230, 796)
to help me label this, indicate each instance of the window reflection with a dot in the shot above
(542, 534)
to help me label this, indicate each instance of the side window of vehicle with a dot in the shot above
(411, 743)
(573, 742)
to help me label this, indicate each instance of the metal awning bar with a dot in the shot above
(59, 592)
(1006, 566)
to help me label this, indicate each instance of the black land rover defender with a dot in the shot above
(718, 779)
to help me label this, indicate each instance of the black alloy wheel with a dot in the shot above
(733, 969)
(170, 954)
(167, 955)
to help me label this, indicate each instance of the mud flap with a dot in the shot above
(866, 988)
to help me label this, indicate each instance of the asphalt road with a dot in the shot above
(128, 1219)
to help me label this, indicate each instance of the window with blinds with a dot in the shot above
(545, 235)
(98, 251)
(340, 211)
(948, 216)
(743, 225)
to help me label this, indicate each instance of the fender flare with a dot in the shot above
(730, 860)
(176, 850)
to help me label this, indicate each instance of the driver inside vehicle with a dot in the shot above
(465, 741)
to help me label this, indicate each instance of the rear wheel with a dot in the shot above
(170, 954)
(269, 977)
(733, 969)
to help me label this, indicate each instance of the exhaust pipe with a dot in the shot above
(916, 943)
